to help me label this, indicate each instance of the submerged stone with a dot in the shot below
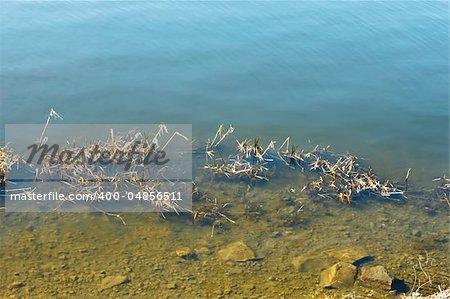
(416, 233)
(376, 277)
(313, 264)
(203, 250)
(17, 285)
(340, 275)
(349, 254)
(112, 281)
(186, 253)
(237, 252)
(172, 285)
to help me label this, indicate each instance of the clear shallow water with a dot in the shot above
(367, 78)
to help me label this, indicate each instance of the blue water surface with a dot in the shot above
(371, 78)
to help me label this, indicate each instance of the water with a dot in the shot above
(370, 78)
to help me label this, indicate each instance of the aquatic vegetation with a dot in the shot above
(8, 159)
(443, 188)
(345, 178)
(337, 176)
(340, 176)
(88, 168)
(220, 135)
(211, 212)
(249, 162)
(88, 178)
(444, 183)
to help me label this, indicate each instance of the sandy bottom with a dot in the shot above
(70, 255)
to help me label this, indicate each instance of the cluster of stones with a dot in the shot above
(341, 268)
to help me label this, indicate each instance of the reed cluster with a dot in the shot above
(7, 160)
(443, 183)
(443, 188)
(250, 161)
(339, 176)
(345, 178)
(79, 173)
(88, 178)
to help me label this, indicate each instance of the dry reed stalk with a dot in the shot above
(8, 159)
(443, 189)
(425, 281)
(211, 212)
(2, 166)
(442, 294)
(89, 178)
(52, 114)
(341, 176)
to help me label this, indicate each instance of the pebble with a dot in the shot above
(111, 281)
(416, 233)
(186, 253)
(17, 285)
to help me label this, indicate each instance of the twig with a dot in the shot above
(406, 179)
(52, 114)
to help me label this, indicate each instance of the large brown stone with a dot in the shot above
(376, 277)
(237, 252)
(311, 263)
(340, 275)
